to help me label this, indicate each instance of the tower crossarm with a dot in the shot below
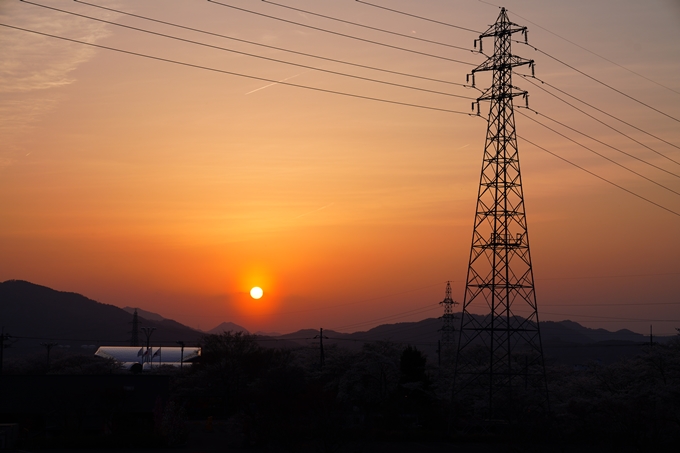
(511, 61)
(493, 95)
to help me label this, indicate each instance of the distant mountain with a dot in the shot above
(564, 341)
(573, 332)
(35, 314)
(227, 327)
(149, 315)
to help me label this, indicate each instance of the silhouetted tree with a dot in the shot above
(412, 365)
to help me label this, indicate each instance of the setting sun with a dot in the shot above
(256, 292)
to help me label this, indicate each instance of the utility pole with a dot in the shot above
(181, 357)
(49, 347)
(500, 281)
(322, 358)
(3, 337)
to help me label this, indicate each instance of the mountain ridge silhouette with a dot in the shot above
(33, 313)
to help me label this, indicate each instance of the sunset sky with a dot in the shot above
(173, 188)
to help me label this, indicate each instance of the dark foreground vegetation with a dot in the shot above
(385, 397)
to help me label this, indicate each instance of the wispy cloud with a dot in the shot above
(32, 62)
(32, 66)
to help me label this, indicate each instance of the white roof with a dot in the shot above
(164, 355)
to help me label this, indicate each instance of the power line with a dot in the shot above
(601, 178)
(369, 27)
(391, 317)
(611, 116)
(593, 53)
(342, 34)
(581, 47)
(221, 71)
(614, 318)
(599, 81)
(595, 152)
(528, 78)
(282, 49)
(611, 276)
(362, 301)
(85, 340)
(419, 17)
(626, 304)
(249, 54)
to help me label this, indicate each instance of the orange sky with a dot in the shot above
(174, 189)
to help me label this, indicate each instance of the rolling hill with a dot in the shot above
(35, 314)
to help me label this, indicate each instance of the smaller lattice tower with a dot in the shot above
(448, 318)
(134, 339)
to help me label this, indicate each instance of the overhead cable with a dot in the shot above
(552, 33)
(599, 81)
(604, 124)
(90, 340)
(221, 71)
(528, 77)
(282, 49)
(595, 152)
(634, 304)
(370, 28)
(596, 54)
(419, 17)
(344, 35)
(391, 317)
(613, 276)
(614, 318)
(276, 60)
(600, 177)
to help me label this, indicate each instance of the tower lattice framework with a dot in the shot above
(499, 360)
(448, 328)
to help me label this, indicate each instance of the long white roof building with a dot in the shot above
(154, 356)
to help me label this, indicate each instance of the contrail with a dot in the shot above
(322, 207)
(271, 84)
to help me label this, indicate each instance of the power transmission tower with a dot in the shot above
(499, 361)
(134, 340)
(448, 318)
(448, 325)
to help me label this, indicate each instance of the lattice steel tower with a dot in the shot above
(134, 339)
(499, 362)
(448, 327)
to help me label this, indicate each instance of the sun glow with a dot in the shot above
(256, 292)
